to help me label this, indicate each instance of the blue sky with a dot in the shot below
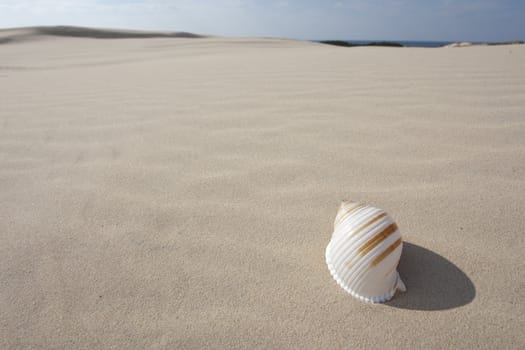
(448, 20)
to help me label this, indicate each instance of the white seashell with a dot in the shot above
(364, 251)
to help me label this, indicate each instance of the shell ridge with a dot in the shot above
(353, 293)
(390, 282)
(358, 240)
(361, 279)
(365, 232)
(390, 249)
(355, 212)
(378, 238)
(348, 232)
(361, 220)
(357, 270)
(363, 269)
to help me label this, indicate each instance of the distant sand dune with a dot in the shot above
(500, 43)
(24, 34)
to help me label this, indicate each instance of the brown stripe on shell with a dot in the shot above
(378, 238)
(386, 252)
(370, 222)
(345, 215)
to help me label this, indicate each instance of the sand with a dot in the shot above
(162, 193)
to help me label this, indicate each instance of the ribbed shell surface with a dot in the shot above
(364, 252)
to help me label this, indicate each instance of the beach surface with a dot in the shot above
(176, 192)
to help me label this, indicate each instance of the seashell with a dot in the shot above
(364, 251)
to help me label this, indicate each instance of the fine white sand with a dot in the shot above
(163, 193)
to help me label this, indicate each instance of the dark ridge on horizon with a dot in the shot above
(350, 44)
(25, 33)
(420, 44)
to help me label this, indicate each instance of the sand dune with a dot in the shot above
(25, 34)
(160, 193)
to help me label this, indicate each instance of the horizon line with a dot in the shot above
(171, 31)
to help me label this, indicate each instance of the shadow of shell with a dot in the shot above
(433, 282)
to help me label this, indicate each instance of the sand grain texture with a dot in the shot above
(170, 193)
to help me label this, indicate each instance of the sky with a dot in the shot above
(438, 20)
